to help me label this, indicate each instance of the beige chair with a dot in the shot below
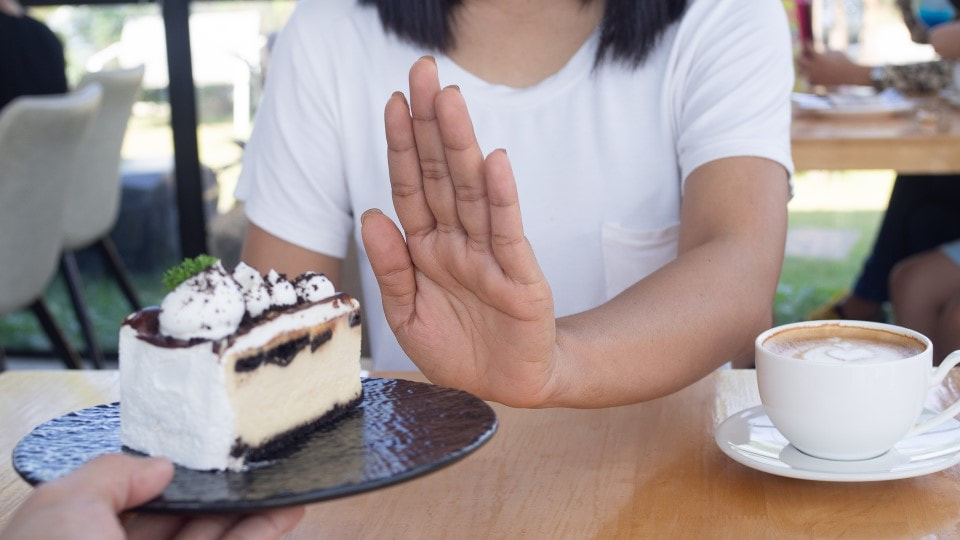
(39, 139)
(93, 194)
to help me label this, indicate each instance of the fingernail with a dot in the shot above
(504, 150)
(430, 58)
(400, 95)
(371, 211)
(454, 87)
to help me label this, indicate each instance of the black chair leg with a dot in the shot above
(69, 356)
(71, 273)
(3, 359)
(112, 257)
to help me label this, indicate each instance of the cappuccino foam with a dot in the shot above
(843, 344)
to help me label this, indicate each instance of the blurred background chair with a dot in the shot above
(39, 139)
(93, 195)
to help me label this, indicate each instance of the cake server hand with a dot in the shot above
(90, 503)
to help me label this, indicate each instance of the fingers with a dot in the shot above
(509, 245)
(442, 182)
(153, 527)
(392, 266)
(119, 480)
(272, 524)
(435, 162)
(403, 163)
(208, 527)
(269, 524)
(435, 174)
(465, 161)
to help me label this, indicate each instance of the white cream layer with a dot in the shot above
(190, 405)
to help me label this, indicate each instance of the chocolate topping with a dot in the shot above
(146, 323)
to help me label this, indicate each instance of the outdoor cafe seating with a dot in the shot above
(703, 462)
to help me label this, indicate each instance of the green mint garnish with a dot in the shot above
(186, 270)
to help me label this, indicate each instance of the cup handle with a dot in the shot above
(937, 377)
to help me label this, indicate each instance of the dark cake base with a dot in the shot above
(285, 443)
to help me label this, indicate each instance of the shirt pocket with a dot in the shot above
(630, 255)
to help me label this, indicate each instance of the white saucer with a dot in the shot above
(749, 437)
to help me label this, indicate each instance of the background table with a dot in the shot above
(926, 142)
(646, 470)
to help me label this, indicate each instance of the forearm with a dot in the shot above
(945, 39)
(859, 75)
(667, 331)
(266, 252)
(701, 310)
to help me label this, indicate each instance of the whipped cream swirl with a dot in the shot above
(209, 305)
(255, 291)
(282, 292)
(212, 304)
(313, 287)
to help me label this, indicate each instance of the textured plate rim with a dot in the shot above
(302, 497)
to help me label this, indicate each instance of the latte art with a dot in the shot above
(842, 344)
(841, 350)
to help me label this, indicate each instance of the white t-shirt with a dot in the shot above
(600, 156)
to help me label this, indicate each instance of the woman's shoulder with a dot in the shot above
(733, 10)
(752, 23)
(333, 18)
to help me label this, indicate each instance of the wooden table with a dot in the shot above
(925, 142)
(644, 471)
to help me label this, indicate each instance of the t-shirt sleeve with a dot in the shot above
(735, 76)
(292, 181)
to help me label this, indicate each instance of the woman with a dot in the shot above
(650, 146)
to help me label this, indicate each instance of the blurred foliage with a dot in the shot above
(84, 30)
(806, 283)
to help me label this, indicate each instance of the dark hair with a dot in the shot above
(629, 31)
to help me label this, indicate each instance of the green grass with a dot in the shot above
(807, 283)
(108, 307)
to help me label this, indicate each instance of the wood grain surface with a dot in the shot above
(927, 141)
(646, 470)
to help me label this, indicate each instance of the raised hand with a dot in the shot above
(463, 293)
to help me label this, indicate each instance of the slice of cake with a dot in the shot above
(232, 368)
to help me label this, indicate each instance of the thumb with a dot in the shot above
(390, 259)
(119, 480)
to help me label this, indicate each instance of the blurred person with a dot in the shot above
(921, 213)
(649, 143)
(31, 56)
(925, 294)
(945, 39)
(90, 503)
(834, 68)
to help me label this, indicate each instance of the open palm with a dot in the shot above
(463, 292)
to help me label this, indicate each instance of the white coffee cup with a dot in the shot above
(845, 399)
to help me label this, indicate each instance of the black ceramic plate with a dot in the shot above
(401, 430)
